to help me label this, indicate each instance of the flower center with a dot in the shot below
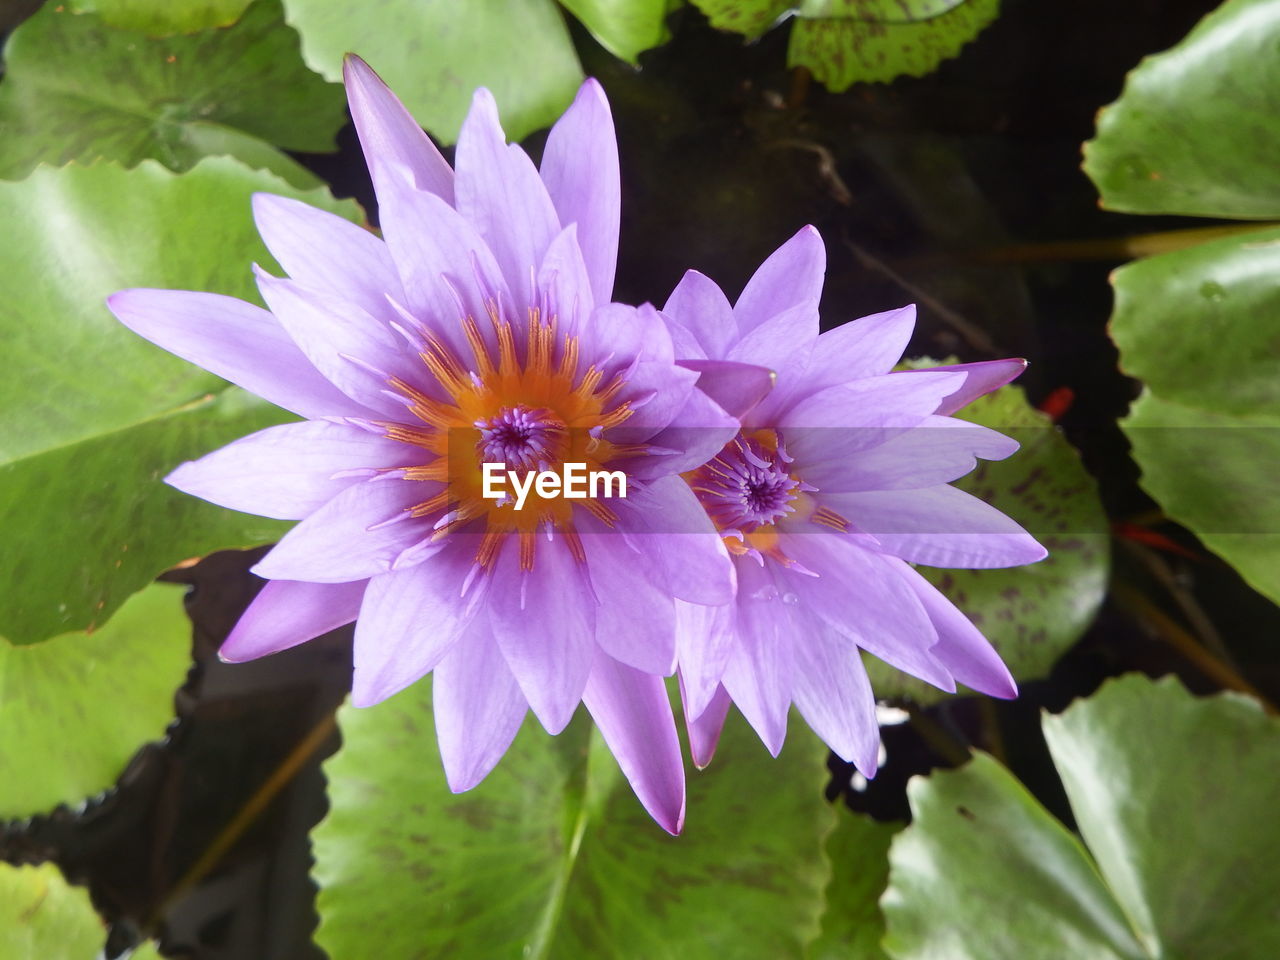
(519, 400)
(747, 485)
(524, 438)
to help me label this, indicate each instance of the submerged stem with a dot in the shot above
(1133, 247)
(247, 815)
(1187, 645)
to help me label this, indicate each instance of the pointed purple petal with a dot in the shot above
(409, 620)
(859, 596)
(388, 133)
(498, 189)
(286, 613)
(980, 379)
(580, 169)
(834, 696)
(447, 269)
(335, 544)
(699, 307)
(478, 707)
(328, 253)
(704, 731)
(780, 339)
(961, 646)
(939, 527)
(704, 643)
(544, 620)
(758, 675)
(868, 347)
(634, 716)
(287, 472)
(236, 341)
(343, 342)
(890, 400)
(939, 450)
(792, 274)
(842, 422)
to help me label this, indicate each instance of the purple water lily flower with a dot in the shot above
(836, 486)
(477, 330)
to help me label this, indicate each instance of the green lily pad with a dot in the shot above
(162, 18)
(1031, 614)
(434, 53)
(1194, 131)
(553, 857)
(1174, 796)
(128, 526)
(844, 42)
(750, 18)
(75, 709)
(91, 415)
(625, 28)
(852, 924)
(1198, 326)
(1215, 474)
(877, 11)
(77, 89)
(43, 916)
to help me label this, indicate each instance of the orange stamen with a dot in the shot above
(577, 405)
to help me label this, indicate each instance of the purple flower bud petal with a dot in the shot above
(286, 613)
(390, 135)
(478, 707)
(580, 169)
(289, 471)
(791, 276)
(238, 342)
(634, 716)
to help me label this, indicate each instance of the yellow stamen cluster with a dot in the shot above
(546, 378)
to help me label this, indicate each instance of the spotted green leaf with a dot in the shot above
(844, 42)
(1031, 614)
(78, 89)
(434, 53)
(877, 11)
(1174, 798)
(92, 416)
(553, 857)
(748, 17)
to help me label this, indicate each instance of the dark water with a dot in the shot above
(726, 154)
